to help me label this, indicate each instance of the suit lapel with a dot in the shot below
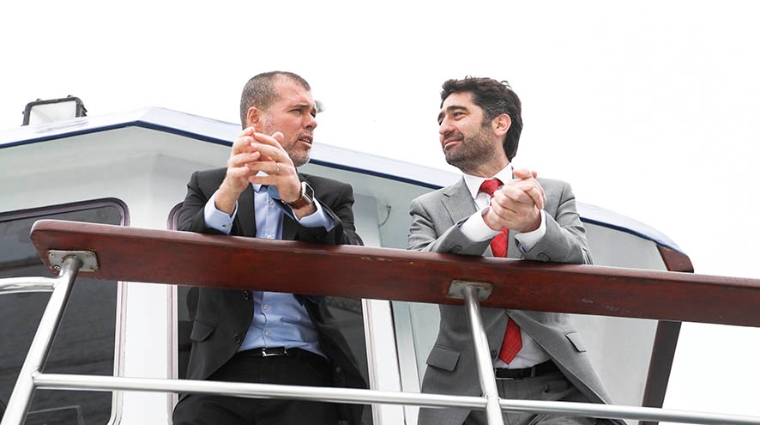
(512, 250)
(246, 217)
(459, 204)
(289, 228)
(458, 201)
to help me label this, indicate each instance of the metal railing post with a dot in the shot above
(38, 352)
(483, 356)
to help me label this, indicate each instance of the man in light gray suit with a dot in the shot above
(495, 210)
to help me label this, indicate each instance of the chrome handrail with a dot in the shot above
(21, 285)
(43, 339)
(361, 396)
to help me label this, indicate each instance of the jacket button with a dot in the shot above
(246, 295)
(237, 338)
(493, 354)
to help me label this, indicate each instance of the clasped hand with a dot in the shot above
(253, 152)
(518, 204)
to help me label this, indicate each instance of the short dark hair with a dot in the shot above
(495, 98)
(260, 91)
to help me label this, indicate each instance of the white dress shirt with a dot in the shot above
(279, 320)
(476, 229)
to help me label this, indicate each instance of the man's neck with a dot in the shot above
(487, 170)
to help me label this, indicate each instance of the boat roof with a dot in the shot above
(223, 133)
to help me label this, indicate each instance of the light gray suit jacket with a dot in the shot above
(436, 220)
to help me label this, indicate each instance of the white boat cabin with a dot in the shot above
(131, 170)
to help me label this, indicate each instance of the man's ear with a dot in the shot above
(253, 117)
(501, 124)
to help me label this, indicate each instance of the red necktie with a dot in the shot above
(512, 339)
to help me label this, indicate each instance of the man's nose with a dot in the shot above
(445, 127)
(311, 122)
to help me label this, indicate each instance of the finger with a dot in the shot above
(271, 147)
(524, 173)
(533, 188)
(241, 144)
(272, 153)
(539, 198)
(536, 195)
(517, 193)
(243, 139)
(501, 215)
(272, 168)
(288, 185)
(536, 192)
(241, 159)
(266, 139)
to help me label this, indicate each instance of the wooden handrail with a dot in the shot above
(161, 256)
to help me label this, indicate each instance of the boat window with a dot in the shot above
(85, 341)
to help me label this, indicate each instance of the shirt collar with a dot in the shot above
(473, 182)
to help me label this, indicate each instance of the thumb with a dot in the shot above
(525, 173)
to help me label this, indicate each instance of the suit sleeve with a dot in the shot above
(564, 241)
(191, 217)
(337, 200)
(565, 238)
(423, 235)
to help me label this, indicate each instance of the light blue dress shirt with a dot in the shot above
(279, 320)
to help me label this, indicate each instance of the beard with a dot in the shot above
(473, 150)
(298, 156)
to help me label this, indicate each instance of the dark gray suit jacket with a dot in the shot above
(223, 316)
(436, 219)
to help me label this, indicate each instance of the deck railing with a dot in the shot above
(140, 255)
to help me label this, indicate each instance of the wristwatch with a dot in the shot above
(307, 197)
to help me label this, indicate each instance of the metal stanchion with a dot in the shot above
(43, 339)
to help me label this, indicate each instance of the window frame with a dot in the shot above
(120, 314)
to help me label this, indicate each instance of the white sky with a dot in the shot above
(649, 108)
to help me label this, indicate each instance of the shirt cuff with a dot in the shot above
(218, 220)
(318, 219)
(475, 229)
(529, 239)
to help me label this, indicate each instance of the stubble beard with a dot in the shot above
(299, 157)
(472, 152)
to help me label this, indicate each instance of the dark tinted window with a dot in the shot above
(84, 343)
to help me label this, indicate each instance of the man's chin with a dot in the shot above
(298, 155)
(454, 160)
(299, 160)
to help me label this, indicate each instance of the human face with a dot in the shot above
(467, 138)
(294, 115)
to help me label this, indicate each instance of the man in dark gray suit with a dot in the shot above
(495, 210)
(268, 337)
